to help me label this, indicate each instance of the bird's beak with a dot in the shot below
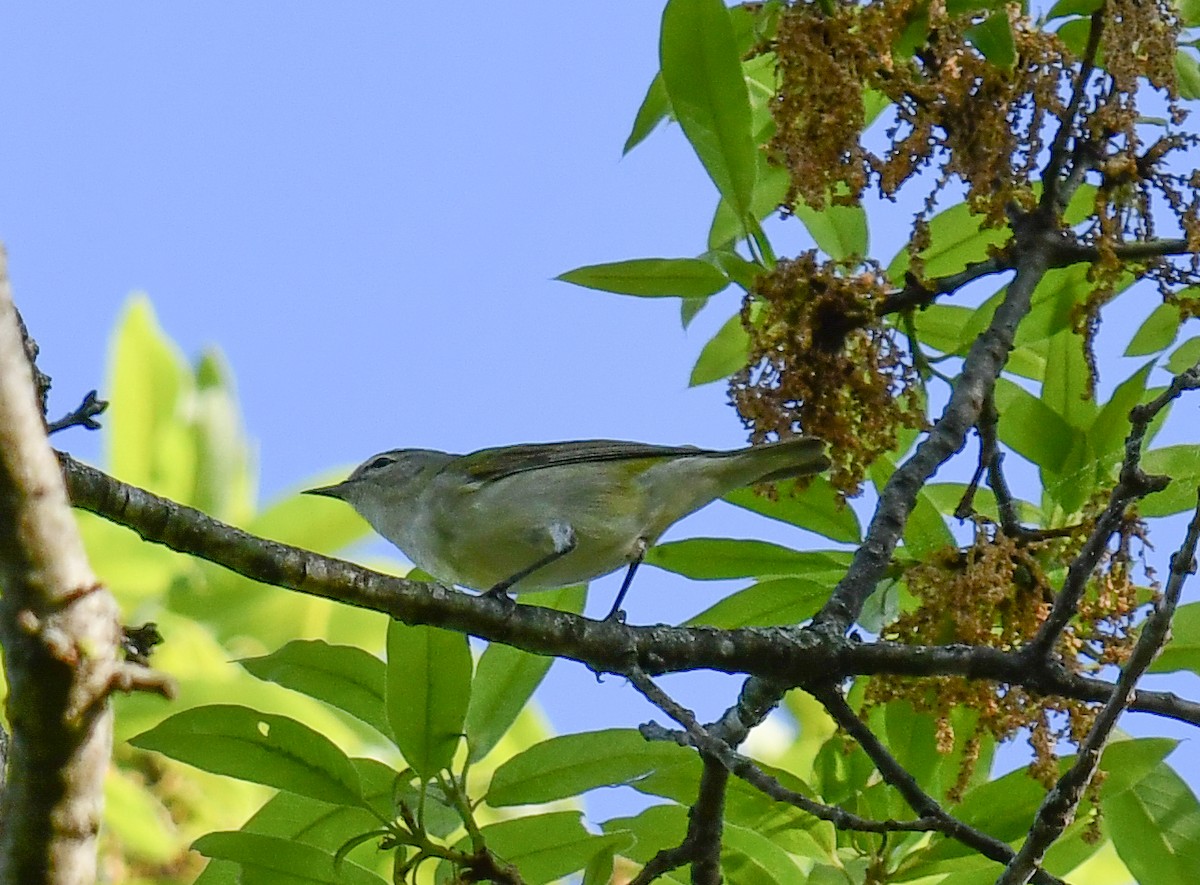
(333, 491)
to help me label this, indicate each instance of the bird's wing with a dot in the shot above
(492, 464)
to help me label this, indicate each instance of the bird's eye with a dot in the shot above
(381, 461)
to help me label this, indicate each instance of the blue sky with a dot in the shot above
(364, 204)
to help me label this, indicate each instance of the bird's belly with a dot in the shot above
(489, 543)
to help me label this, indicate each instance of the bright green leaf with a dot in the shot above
(770, 190)
(148, 443)
(1157, 331)
(546, 847)
(651, 277)
(1155, 826)
(703, 76)
(817, 508)
(1182, 464)
(1065, 387)
(994, 39)
(259, 747)
(1185, 356)
(766, 604)
(1111, 425)
(340, 675)
(752, 857)
(506, 677)
(709, 559)
(1073, 7)
(428, 690)
(956, 240)
(839, 231)
(570, 764)
(725, 353)
(1032, 428)
(654, 109)
(1187, 69)
(1182, 652)
(313, 523)
(282, 861)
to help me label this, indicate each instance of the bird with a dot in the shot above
(539, 516)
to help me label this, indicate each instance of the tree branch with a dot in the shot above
(1133, 484)
(1059, 807)
(920, 801)
(60, 634)
(980, 368)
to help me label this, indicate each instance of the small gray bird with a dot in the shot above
(546, 515)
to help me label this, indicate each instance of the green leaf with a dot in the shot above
(956, 240)
(570, 764)
(651, 277)
(941, 326)
(1155, 826)
(1189, 12)
(283, 861)
(1064, 8)
(1182, 464)
(725, 353)
(994, 39)
(818, 508)
(1065, 387)
(654, 109)
(506, 677)
(1185, 356)
(709, 559)
(1187, 70)
(653, 828)
(547, 847)
(223, 483)
(148, 443)
(428, 690)
(839, 231)
(703, 76)
(752, 857)
(318, 524)
(259, 747)
(1032, 428)
(1182, 652)
(1111, 425)
(766, 604)
(340, 675)
(1157, 332)
(770, 190)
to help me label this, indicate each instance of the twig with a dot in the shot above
(1059, 807)
(920, 801)
(701, 847)
(980, 368)
(1052, 199)
(1132, 484)
(697, 736)
(83, 416)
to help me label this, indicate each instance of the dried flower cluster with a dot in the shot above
(996, 593)
(821, 361)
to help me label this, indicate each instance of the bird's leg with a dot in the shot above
(639, 553)
(564, 540)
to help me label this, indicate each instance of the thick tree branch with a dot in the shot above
(980, 368)
(60, 634)
(781, 657)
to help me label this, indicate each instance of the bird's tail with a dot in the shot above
(798, 456)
